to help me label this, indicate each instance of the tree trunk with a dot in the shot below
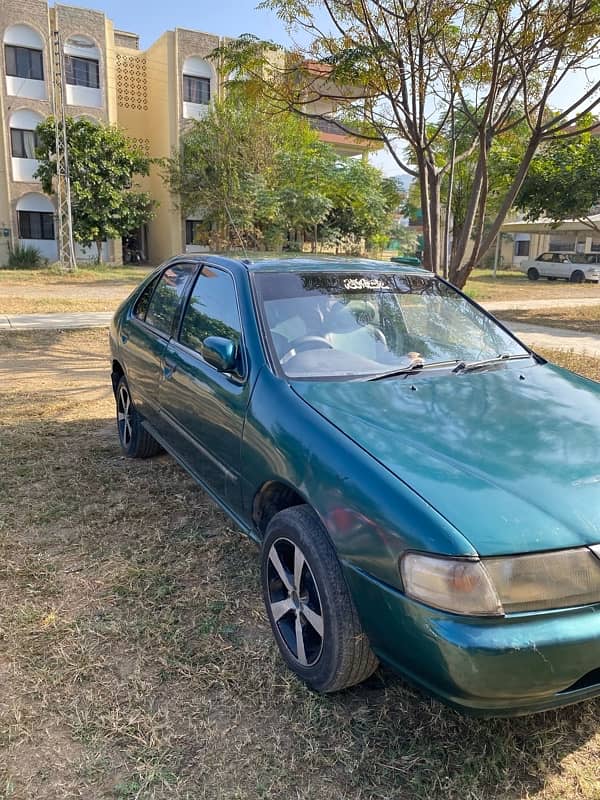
(460, 272)
(425, 212)
(99, 250)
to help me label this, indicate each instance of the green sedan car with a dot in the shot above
(425, 489)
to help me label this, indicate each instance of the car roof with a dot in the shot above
(303, 264)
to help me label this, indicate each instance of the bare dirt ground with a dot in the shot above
(135, 658)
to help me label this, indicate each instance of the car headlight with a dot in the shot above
(506, 584)
(453, 584)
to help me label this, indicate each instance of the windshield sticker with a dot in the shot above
(364, 283)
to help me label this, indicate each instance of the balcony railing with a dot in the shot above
(326, 126)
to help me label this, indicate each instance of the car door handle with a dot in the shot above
(168, 369)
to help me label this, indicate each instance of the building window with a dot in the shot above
(196, 90)
(82, 72)
(24, 62)
(36, 225)
(522, 247)
(23, 143)
(197, 232)
(564, 243)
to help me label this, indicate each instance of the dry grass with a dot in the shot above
(84, 274)
(47, 291)
(102, 288)
(50, 305)
(581, 318)
(509, 285)
(580, 363)
(136, 661)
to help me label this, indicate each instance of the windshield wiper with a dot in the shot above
(466, 366)
(418, 365)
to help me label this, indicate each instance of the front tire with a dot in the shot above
(533, 274)
(135, 440)
(577, 276)
(309, 605)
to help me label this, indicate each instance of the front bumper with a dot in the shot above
(491, 666)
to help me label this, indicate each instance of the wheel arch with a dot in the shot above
(116, 374)
(273, 496)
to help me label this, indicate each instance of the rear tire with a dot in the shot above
(533, 274)
(135, 440)
(309, 605)
(577, 276)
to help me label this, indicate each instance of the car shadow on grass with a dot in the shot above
(137, 660)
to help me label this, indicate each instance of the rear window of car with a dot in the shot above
(167, 296)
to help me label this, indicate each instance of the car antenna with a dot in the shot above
(234, 226)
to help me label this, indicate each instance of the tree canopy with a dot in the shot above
(254, 177)
(407, 65)
(103, 164)
(563, 181)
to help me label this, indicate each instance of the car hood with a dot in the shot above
(510, 457)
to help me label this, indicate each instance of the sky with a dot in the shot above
(150, 18)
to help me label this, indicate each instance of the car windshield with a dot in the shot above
(361, 324)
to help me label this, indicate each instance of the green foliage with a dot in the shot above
(406, 239)
(563, 181)
(256, 176)
(405, 68)
(25, 257)
(103, 164)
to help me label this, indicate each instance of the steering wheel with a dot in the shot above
(306, 343)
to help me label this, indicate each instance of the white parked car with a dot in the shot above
(573, 267)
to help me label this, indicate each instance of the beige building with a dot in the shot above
(151, 94)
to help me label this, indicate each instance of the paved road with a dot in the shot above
(539, 336)
(76, 319)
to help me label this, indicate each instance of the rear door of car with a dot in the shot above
(204, 408)
(144, 336)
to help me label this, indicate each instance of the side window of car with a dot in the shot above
(545, 257)
(211, 311)
(141, 307)
(167, 295)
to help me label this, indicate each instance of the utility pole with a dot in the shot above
(66, 249)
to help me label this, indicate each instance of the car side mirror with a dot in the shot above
(220, 353)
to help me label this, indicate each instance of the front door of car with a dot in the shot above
(561, 266)
(203, 407)
(145, 334)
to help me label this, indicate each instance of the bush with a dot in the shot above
(25, 258)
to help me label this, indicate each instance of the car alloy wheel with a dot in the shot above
(294, 602)
(135, 440)
(310, 608)
(124, 415)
